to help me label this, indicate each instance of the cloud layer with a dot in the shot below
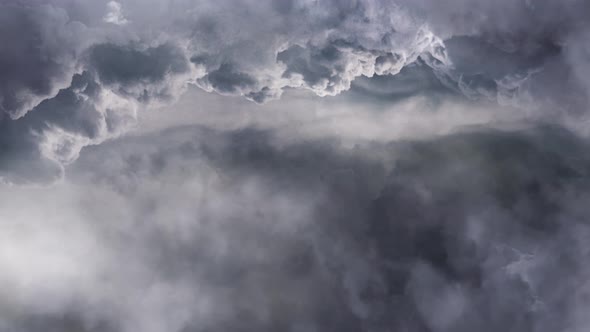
(519, 54)
(294, 165)
(197, 230)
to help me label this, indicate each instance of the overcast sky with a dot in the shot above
(294, 165)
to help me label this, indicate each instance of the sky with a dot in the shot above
(294, 165)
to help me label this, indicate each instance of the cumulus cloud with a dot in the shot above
(393, 205)
(100, 103)
(322, 46)
(525, 55)
(39, 54)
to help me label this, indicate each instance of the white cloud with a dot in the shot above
(114, 14)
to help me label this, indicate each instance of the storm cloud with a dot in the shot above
(294, 165)
(196, 230)
(531, 59)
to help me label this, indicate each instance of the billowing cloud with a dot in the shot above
(39, 55)
(324, 46)
(114, 14)
(437, 190)
(100, 103)
(55, 131)
(192, 229)
(519, 54)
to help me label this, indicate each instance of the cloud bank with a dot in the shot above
(141, 54)
(197, 230)
(294, 165)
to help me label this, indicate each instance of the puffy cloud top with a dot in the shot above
(140, 53)
(369, 211)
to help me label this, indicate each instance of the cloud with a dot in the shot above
(114, 14)
(517, 54)
(153, 73)
(324, 46)
(192, 229)
(39, 56)
(392, 206)
(345, 40)
(366, 212)
(362, 49)
(100, 103)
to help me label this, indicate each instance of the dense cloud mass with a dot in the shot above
(522, 54)
(196, 230)
(294, 165)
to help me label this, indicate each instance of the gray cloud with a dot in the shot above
(324, 46)
(518, 54)
(197, 230)
(136, 71)
(54, 131)
(38, 56)
(100, 103)
(371, 211)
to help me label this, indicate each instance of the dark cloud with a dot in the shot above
(193, 229)
(38, 56)
(513, 52)
(471, 231)
(58, 323)
(126, 68)
(503, 51)
(226, 79)
(315, 68)
(528, 56)
(416, 79)
(36, 146)
(318, 46)
(100, 103)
